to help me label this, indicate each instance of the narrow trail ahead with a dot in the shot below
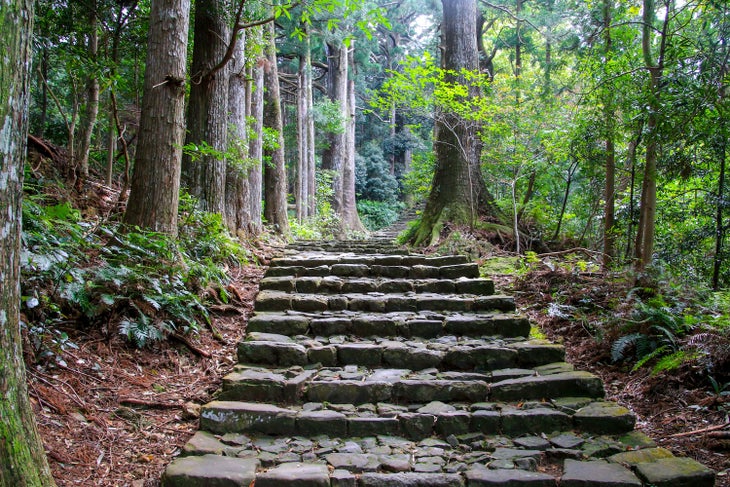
(365, 365)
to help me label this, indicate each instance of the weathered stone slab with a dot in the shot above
(203, 443)
(373, 426)
(241, 417)
(597, 474)
(330, 326)
(374, 325)
(634, 457)
(440, 390)
(354, 462)
(278, 323)
(453, 423)
(276, 283)
(295, 475)
(210, 470)
(506, 325)
(272, 353)
(676, 472)
(350, 270)
(424, 328)
(495, 302)
(487, 422)
(349, 392)
(604, 418)
(410, 479)
(416, 426)
(538, 352)
(444, 286)
(482, 477)
(549, 386)
(253, 385)
(483, 287)
(324, 422)
(470, 269)
(365, 354)
(516, 422)
(411, 358)
(273, 301)
(480, 358)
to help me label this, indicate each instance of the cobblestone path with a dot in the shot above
(367, 366)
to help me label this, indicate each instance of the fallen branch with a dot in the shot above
(589, 252)
(703, 430)
(150, 404)
(193, 348)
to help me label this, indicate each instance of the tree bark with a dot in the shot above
(349, 219)
(334, 156)
(155, 191)
(22, 458)
(91, 111)
(609, 219)
(238, 206)
(275, 180)
(458, 193)
(207, 120)
(256, 146)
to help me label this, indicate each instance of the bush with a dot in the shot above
(378, 214)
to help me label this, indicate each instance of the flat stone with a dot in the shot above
(325, 422)
(637, 440)
(532, 443)
(240, 417)
(567, 441)
(440, 390)
(479, 477)
(202, 443)
(597, 474)
(487, 422)
(367, 355)
(395, 463)
(676, 472)
(436, 407)
(342, 478)
(634, 457)
(417, 426)
(295, 475)
(349, 392)
(278, 323)
(331, 326)
(373, 426)
(556, 385)
(514, 453)
(506, 325)
(410, 479)
(517, 422)
(484, 287)
(354, 462)
(480, 358)
(538, 352)
(210, 470)
(604, 418)
(272, 353)
(453, 423)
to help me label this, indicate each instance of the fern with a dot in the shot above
(621, 348)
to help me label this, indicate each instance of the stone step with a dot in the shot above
(269, 300)
(321, 259)
(445, 353)
(355, 385)
(424, 324)
(417, 422)
(364, 285)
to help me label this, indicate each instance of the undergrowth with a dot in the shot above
(144, 285)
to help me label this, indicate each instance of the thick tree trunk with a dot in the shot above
(256, 147)
(458, 193)
(334, 156)
(275, 180)
(207, 121)
(238, 205)
(22, 458)
(302, 181)
(309, 122)
(349, 219)
(155, 192)
(609, 219)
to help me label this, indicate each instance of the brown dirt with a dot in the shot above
(115, 415)
(676, 409)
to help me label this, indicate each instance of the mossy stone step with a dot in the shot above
(416, 422)
(334, 285)
(380, 303)
(361, 270)
(445, 353)
(404, 324)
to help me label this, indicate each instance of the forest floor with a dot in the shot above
(112, 415)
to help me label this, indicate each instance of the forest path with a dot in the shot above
(365, 365)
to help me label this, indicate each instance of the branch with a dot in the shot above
(703, 430)
(507, 11)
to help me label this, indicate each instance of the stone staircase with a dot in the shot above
(365, 365)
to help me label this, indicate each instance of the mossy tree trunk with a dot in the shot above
(155, 192)
(22, 459)
(458, 193)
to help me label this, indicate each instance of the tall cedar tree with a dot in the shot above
(155, 192)
(22, 459)
(458, 193)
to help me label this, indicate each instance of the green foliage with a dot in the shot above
(325, 223)
(378, 214)
(147, 283)
(373, 179)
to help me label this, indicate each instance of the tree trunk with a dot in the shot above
(238, 205)
(311, 159)
(22, 458)
(647, 215)
(207, 121)
(88, 121)
(334, 156)
(256, 146)
(275, 180)
(349, 219)
(609, 220)
(719, 219)
(458, 192)
(155, 191)
(302, 182)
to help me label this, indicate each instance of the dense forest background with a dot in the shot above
(600, 122)
(579, 146)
